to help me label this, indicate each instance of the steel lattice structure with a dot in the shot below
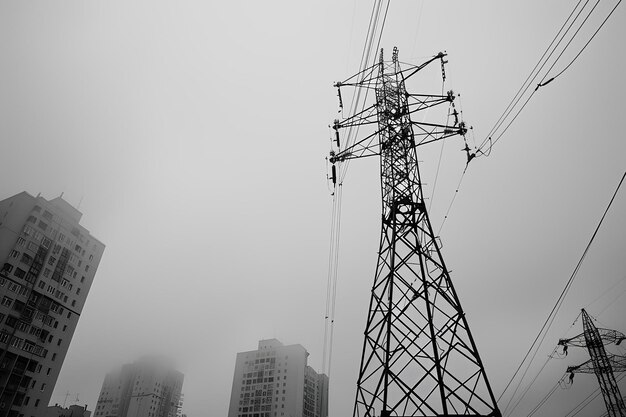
(419, 357)
(601, 363)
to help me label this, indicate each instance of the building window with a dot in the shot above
(52, 260)
(37, 209)
(54, 356)
(27, 259)
(7, 268)
(82, 279)
(6, 301)
(47, 215)
(14, 254)
(31, 219)
(37, 402)
(41, 284)
(21, 241)
(46, 272)
(20, 273)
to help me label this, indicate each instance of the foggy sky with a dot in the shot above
(193, 135)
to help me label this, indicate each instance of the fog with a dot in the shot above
(193, 136)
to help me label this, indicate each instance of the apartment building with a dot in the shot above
(276, 381)
(47, 265)
(149, 387)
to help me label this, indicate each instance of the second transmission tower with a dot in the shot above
(602, 364)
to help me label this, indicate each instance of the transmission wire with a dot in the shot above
(544, 399)
(550, 319)
(513, 101)
(509, 109)
(530, 384)
(331, 291)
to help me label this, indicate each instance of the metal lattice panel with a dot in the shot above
(419, 357)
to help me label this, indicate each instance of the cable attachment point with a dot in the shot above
(470, 155)
(544, 84)
(443, 68)
(338, 85)
(333, 173)
(336, 127)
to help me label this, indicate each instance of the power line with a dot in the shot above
(550, 319)
(513, 107)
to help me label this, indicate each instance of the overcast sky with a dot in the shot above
(193, 135)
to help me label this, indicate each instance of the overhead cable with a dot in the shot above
(552, 315)
(513, 109)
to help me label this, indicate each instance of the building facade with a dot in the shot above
(148, 387)
(71, 411)
(275, 381)
(47, 265)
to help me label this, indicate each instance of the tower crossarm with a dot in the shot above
(607, 336)
(369, 116)
(617, 363)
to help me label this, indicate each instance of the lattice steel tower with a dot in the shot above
(602, 364)
(419, 357)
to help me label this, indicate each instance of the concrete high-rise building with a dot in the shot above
(47, 264)
(275, 381)
(148, 387)
(71, 411)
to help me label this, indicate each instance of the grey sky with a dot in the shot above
(193, 135)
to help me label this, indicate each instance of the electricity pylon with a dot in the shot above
(601, 363)
(419, 357)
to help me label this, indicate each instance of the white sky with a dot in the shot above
(193, 134)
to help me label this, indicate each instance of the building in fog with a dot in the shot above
(47, 265)
(275, 381)
(71, 411)
(146, 388)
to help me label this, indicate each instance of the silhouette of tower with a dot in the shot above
(419, 357)
(601, 363)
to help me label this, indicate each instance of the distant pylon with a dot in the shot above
(419, 357)
(601, 363)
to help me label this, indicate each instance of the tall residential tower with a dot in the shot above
(275, 381)
(47, 264)
(149, 387)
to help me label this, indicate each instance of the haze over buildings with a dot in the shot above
(193, 134)
(48, 265)
(275, 381)
(148, 387)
